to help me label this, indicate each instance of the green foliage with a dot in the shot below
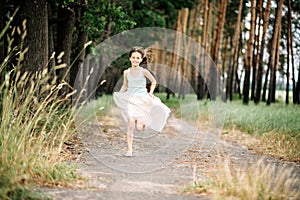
(101, 14)
(150, 13)
(149, 18)
(232, 14)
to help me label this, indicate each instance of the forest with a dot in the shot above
(254, 44)
(61, 61)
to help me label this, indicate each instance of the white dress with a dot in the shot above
(135, 103)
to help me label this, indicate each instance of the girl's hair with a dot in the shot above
(140, 50)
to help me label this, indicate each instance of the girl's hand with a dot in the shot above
(151, 95)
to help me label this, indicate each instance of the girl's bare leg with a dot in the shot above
(129, 137)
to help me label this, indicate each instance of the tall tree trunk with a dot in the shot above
(289, 46)
(65, 28)
(219, 32)
(234, 54)
(174, 58)
(212, 94)
(273, 95)
(287, 88)
(258, 17)
(194, 27)
(80, 45)
(297, 89)
(276, 34)
(224, 58)
(261, 54)
(35, 12)
(184, 65)
(248, 62)
(264, 93)
(200, 80)
(51, 46)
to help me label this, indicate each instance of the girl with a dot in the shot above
(138, 106)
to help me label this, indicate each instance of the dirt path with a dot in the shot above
(162, 163)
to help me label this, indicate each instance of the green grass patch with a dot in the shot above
(98, 107)
(188, 108)
(260, 119)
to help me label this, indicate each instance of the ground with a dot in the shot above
(163, 164)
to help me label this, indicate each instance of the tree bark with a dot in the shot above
(260, 69)
(259, 16)
(184, 65)
(201, 86)
(174, 57)
(224, 58)
(234, 54)
(289, 33)
(219, 32)
(276, 34)
(248, 62)
(297, 89)
(218, 36)
(264, 93)
(51, 46)
(296, 86)
(36, 15)
(65, 28)
(273, 94)
(80, 44)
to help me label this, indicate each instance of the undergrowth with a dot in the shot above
(36, 119)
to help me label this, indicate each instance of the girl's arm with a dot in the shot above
(125, 82)
(148, 75)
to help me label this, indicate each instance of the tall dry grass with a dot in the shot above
(36, 119)
(256, 181)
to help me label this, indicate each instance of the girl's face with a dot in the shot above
(135, 59)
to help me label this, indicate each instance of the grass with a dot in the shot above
(35, 121)
(260, 119)
(252, 181)
(188, 108)
(33, 128)
(274, 126)
(277, 129)
(98, 107)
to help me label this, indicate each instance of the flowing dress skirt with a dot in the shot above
(150, 111)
